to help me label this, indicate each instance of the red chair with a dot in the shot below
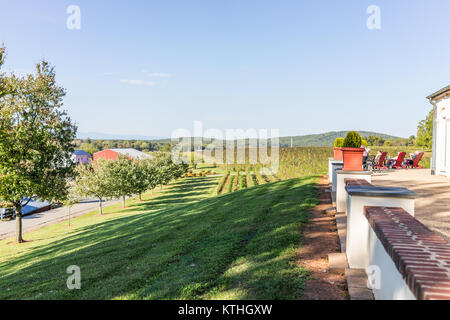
(380, 165)
(414, 163)
(399, 162)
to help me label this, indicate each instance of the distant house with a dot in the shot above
(113, 154)
(81, 156)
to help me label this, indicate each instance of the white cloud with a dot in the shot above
(138, 82)
(156, 74)
(161, 75)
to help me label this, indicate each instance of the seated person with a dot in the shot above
(378, 156)
(365, 153)
(413, 156)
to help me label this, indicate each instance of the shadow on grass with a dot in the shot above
(181, 246)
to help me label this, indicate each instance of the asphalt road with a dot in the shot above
(39, 220)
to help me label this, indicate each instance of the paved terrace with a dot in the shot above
(432, 207)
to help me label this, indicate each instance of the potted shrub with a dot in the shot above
(352, 152)
(338, 143)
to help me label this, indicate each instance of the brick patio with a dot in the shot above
(432, 207)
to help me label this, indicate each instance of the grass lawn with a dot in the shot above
(183, 243)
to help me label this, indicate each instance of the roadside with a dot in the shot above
(320, 238)
(38, 220)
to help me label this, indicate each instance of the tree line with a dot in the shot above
(37, 141)
(92, 146)
(424, 137)
(125, 177)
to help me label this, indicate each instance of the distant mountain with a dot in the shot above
(311, 140)
(325, 139)
(108, 136)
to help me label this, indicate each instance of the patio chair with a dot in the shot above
(399, 162)
(414, 163)
(379, 165)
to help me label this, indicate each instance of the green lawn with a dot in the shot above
(183, 243)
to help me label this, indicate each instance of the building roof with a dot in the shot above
(133, 153)
(81, 153)
(440, 94)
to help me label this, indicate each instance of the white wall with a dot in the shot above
(388, 283)
(443, 137)
(358, 227)
(341, 193)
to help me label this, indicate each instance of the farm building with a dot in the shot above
(113, 154)
(81, 156)
(440, 100)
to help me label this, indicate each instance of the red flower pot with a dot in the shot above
(338, 154)
(353, 159)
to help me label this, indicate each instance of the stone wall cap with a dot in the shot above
(383, 192)
(354, 172)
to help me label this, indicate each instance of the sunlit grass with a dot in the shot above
(182, 243)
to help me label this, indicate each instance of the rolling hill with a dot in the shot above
(325, 139)
(312, 140)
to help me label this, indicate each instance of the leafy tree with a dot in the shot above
(71, 199)
(36, 137)
(89, 148)
(147, 176)
(123, 177)
(166, 169)
(94, 180)
(166, 147)
(425, 132)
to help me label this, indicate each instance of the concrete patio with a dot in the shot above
(432, 207)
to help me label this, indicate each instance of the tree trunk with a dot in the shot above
(160, 186)
(19, 237)
(152, 191)
(140, 197)
(123, 203)
(100, 209)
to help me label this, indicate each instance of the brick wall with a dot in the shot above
(421, 257)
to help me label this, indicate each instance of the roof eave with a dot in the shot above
(440, 93)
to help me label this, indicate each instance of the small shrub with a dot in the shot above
(338, 143)
(243, 182)
(352, 140)
(255, 180)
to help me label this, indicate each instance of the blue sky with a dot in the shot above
(150, 67)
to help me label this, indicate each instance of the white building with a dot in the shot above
(440, 164)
